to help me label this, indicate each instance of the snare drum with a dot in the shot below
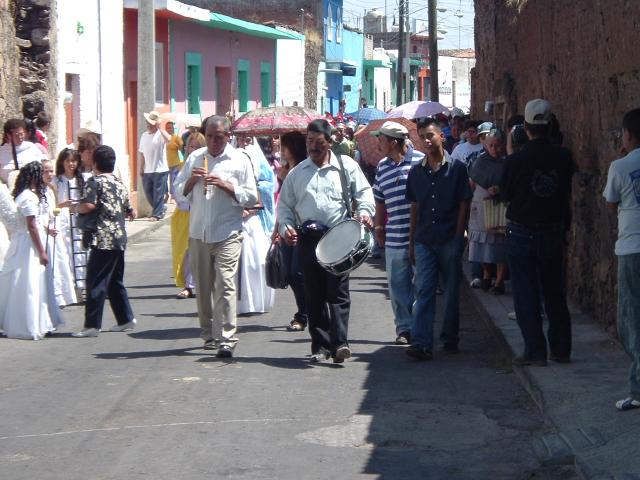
(344, 247)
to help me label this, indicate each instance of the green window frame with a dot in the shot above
(193, 81)
(265, 83)
(244, 85)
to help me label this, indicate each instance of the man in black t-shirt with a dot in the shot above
(537, 183)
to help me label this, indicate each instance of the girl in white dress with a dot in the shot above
(60, 262)
(33, 313)
(70, 182)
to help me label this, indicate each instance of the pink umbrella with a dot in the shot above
(418, 109)
(274, 121)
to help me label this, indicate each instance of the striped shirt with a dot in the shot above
(390, 188)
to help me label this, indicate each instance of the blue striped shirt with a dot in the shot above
(390, 188)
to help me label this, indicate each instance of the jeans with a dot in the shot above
(105, 273)
(536, 262)
(401, 291)
(155, 189)
(445, 258)
(328, 300)
(629, 315)
(296, 282)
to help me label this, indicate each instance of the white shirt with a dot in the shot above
(153, 146)
(623, 187)
(216, 218)
(26, 152)
(314, 193)
(467, 153)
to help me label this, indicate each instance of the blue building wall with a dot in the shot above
(333, 48)
(353, 53)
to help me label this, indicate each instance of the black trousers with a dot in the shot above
(105, 273)
(327, 298)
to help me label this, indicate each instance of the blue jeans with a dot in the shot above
(536, 263)
(629, 315)
(445, 258)
(401, 291)
(155, 189)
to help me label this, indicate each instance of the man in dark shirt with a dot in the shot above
(439, 192)
(537, 183)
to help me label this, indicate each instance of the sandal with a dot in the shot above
(296, 326)
(627, 404)
(186, 293)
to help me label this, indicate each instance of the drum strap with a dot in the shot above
(345, 188)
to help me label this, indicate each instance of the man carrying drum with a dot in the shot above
(312, 200)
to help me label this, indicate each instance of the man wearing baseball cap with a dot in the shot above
(153, 166)
(392, 221)
(537, 183)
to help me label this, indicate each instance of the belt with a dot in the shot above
(536, 226)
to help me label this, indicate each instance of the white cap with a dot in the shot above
(392, 129)
(537, 112)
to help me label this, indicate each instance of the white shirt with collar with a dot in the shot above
(216, 218)
(314, 193)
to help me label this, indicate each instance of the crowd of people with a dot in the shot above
(505, 195)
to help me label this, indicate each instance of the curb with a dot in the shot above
(145, 232)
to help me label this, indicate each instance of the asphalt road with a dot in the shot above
(151, 404)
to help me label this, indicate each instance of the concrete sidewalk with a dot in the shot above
(141, 228)
(578, 398)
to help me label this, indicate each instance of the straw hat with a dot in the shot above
(92, 126)
(152, 118)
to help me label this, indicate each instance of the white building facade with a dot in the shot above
(290, 64)
(454, 76)
(90, 72)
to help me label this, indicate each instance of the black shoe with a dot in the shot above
(419, 353)
(403, 338)
(560, 358)
(522, 361)
(452, 349)
(485, 284)
(225, 351)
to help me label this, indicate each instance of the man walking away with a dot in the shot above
(623, 197)
(537, 183)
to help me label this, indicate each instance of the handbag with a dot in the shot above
(277, 266)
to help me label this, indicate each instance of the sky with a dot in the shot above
(459, 30)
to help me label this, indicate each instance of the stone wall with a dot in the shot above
(286, 13)
(581, 56)
(35, 33)
(9, 85)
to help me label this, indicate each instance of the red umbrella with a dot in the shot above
(274, 120)
(368, 144)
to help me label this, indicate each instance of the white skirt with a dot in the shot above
(253, 294)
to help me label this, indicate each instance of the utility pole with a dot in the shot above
(146, 80)
(399, 63)
(407, 57)
(433, 52)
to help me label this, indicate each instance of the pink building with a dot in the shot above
(216, 66)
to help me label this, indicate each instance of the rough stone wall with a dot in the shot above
(286, 13)
(582, 57)
(9, 85)
(35, 30)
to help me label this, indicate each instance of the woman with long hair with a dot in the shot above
(69, 183)
(33, 313)
(180, 231)
(294, 150)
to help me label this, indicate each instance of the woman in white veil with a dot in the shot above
(254, 296)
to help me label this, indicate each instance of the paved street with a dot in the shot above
(152, 404)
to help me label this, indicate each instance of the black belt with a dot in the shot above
(537, 226)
